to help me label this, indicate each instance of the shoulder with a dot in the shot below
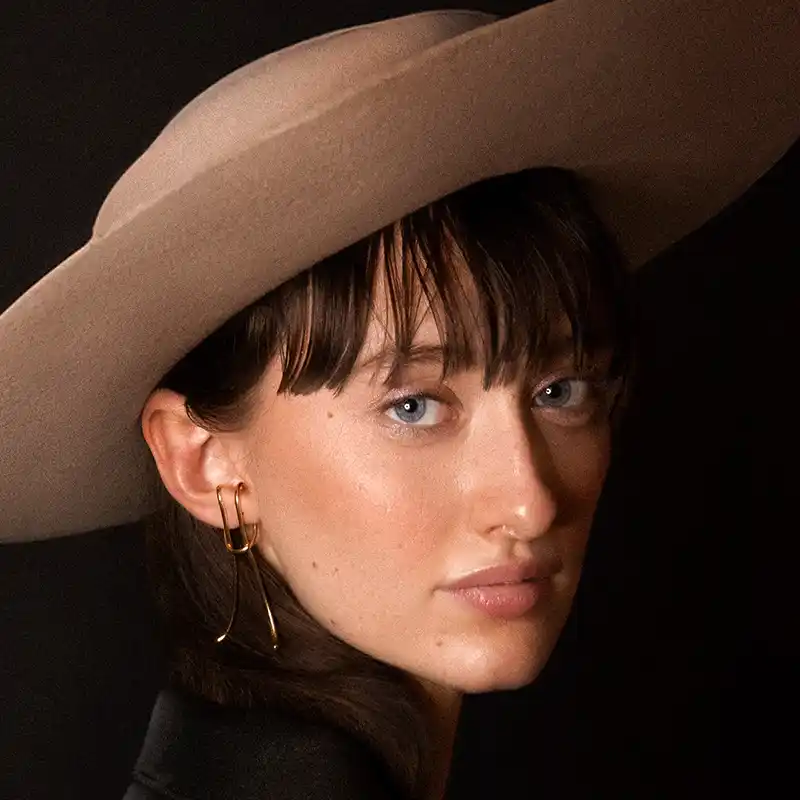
(196, 750)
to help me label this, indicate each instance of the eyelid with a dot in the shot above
(566, 374)
(601, 386)
(594, 375)
(405, 430)
(410, 389)
(415, 396)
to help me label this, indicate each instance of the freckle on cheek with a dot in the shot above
(439, 642)
(314, 564)
(330, 415)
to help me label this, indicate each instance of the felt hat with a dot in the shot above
(670, 109)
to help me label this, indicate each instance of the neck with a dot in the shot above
(446, 710)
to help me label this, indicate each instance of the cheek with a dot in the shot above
(341, 513)
(581, 458)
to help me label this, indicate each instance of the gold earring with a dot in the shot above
(247, 550)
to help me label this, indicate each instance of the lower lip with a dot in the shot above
(504, 600)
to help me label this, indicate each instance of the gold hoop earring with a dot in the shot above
(246, 550)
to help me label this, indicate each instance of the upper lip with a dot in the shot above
(509, 572)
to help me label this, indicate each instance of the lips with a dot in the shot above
(512, 572)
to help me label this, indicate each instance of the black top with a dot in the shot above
(197, 750)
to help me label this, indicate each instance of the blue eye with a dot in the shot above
(412, 410)
(566, 393)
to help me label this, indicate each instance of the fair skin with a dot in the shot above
(368, 507)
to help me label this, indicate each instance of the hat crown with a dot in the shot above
(275, 92)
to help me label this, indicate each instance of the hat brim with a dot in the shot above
(670, 109)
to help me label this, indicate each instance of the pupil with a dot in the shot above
(558, 392)
(412, 409)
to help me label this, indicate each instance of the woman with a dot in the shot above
(352, 346)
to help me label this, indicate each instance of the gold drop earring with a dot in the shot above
(245, 550)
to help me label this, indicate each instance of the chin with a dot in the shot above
(511, 657)
(502, 669)
(505, 678)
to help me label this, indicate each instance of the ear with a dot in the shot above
(193, 461)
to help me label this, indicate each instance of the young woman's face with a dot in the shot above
(374, 502)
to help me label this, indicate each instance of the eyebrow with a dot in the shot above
(416, 354)
(421, 353)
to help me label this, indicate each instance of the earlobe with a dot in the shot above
(190, 459)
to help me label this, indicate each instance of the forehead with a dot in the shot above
(388, 351)
(422, 304)
(405, 293)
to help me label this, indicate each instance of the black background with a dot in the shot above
(673, 675)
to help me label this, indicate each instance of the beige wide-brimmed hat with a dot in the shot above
(670, 109)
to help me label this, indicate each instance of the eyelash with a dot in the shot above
(596, 389)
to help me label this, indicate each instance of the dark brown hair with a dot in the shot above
(533, 252)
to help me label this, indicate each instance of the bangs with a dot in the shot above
(502, 267)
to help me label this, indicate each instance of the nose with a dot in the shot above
(509, 476)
